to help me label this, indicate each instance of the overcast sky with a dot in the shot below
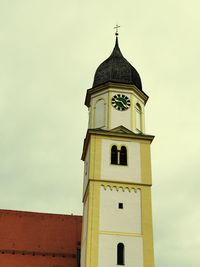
(49, 51)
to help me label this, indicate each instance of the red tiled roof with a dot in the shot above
(36, 238)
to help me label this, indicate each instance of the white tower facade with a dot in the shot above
(117, 215)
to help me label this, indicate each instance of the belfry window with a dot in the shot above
(120, 254)
(138, 117)
(119, 157)
(114, 155)
(123, 156)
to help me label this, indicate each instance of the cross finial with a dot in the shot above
(116, 29)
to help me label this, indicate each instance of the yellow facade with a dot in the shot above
(92, 193)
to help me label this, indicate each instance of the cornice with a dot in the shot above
(116, 185)
(108, 85)
(100, 132)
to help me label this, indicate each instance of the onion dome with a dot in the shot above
(117, 69)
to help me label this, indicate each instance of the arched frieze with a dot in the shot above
(121, 188)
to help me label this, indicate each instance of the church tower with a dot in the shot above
(117, 213)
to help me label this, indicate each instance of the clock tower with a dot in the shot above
(117, 213)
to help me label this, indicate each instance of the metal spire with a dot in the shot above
(116, 29)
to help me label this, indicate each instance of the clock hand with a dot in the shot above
(120, 101)
(124, 104)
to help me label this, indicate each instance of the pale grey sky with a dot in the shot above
(49, 51)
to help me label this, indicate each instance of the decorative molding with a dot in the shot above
(121, 187)
(121, 129)
(120, 233)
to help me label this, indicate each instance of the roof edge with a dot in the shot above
(8, 211)
(117, 85)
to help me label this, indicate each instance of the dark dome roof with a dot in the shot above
(117, 69)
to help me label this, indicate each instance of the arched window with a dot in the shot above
(114, 155)
(123, 156)
(120, 254)
(119, 157)
(138, 117)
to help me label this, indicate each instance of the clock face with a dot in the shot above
(121, 102)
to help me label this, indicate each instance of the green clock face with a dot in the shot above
(121, 102)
